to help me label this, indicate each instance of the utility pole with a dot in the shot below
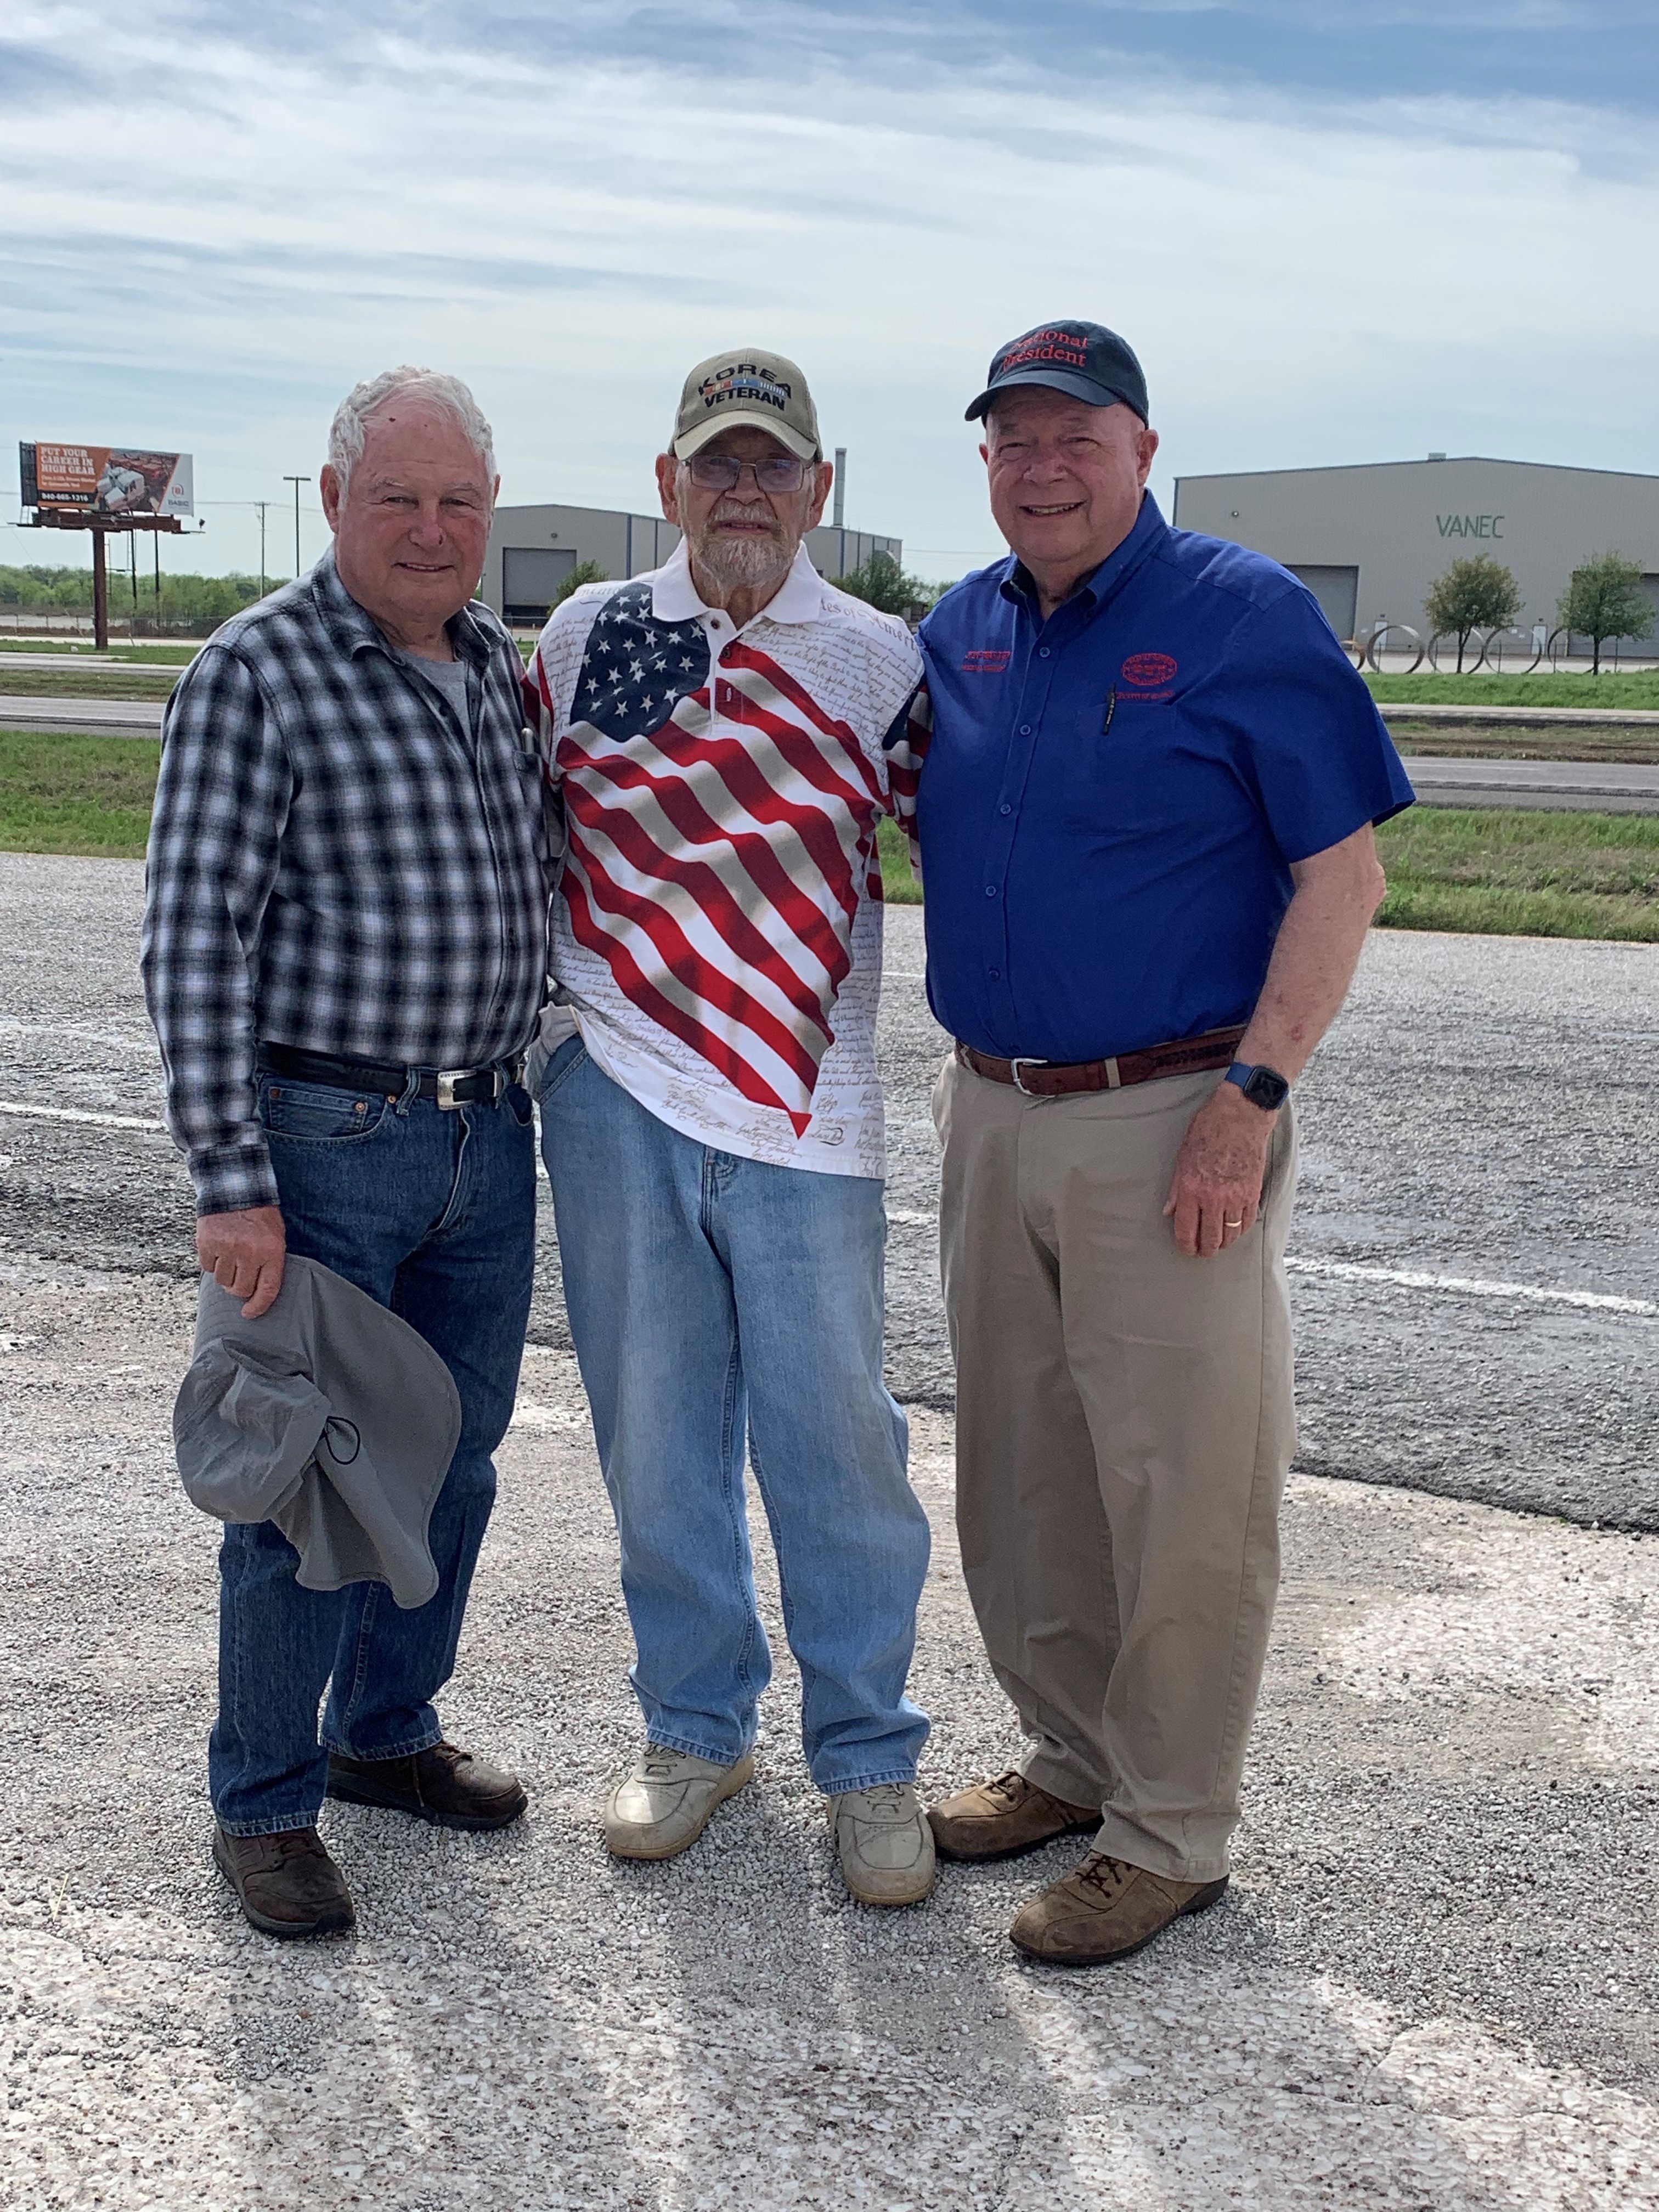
(100, 592)
(262, 504)
(296, 482)
(840, 508)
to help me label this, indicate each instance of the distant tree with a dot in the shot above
(1605, 599)
(881, 583)
(188, 601)
(585, 571)
(1479, 593)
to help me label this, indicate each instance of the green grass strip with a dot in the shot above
(175, 655)
(73, 683)
(1513, 871)
(1637, 692)
(1502, 871)
(75, 794)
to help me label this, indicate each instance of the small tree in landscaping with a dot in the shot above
(881, 583)
(585, 571)
(1479, 593)
(1605, 599)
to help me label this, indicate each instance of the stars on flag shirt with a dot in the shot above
(717, 927)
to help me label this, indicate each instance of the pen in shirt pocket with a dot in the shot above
(1111, 709)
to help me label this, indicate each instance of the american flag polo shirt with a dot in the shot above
(717, 926)
(335, 864)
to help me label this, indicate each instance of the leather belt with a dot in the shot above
(448, 1087)
(1046, 1078)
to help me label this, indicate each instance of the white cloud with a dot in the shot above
(225, 241)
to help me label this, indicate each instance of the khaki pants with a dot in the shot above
(1124, 1427)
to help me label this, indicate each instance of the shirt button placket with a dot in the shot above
(1033, 704)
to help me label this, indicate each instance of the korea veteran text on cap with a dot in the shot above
(757, 390)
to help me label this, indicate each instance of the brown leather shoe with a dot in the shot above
(1001, 1818)
(286, 1884)
(1106, 1909)
(443, 1784)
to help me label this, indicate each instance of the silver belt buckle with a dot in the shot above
(448, 1079)
(1026, 1060)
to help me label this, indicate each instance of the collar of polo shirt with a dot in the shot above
(799, 598)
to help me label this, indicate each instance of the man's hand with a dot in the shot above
(244, 1252)
(1217, 1191)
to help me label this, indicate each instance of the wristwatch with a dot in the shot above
(1263, 1086)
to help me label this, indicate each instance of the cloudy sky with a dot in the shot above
(1334, 232)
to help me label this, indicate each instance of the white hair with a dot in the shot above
(445, 395)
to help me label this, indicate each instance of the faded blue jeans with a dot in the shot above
(434, 1214)
(712, 1297)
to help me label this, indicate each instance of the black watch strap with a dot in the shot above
(1263, 1085)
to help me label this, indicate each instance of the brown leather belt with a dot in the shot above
(1046, 1079)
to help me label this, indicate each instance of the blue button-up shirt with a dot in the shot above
(1112, 798)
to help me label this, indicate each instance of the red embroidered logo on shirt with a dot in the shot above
(1146, 670)
(989, 660)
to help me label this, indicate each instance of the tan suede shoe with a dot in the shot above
(883, 1843)
(666, 1801)
(1106, 1909)
(1000, 1820)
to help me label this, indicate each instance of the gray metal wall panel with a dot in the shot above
(531, 574)
(1401, 523)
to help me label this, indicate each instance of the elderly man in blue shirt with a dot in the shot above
(1145, 820)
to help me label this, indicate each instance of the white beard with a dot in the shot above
(743, 563)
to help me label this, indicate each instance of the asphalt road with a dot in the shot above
(1481, 1114)
(105, 718)
(1577, 787)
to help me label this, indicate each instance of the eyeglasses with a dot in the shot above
(720, 472)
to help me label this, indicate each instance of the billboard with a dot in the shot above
(105, 480)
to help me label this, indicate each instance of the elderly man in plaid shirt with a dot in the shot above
(344, 954)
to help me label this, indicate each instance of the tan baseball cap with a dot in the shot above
(760, 390)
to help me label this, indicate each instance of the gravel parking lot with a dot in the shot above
(1481, 1112)
(1435, 1983)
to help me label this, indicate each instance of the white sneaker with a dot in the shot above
(885, 1844)
(665, 1803)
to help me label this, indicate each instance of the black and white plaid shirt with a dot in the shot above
(335, 865)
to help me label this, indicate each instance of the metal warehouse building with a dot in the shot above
(1369, 540)
(533, 548)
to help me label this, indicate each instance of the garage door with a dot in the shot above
(530, 576)
(1337, 590)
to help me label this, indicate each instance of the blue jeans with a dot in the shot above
(434, 1214)
(710, 1296)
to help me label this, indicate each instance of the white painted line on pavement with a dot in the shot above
(1338, 1271)
(1407, 1279)
(77, 1114)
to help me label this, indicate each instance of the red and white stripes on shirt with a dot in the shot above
(717, 927)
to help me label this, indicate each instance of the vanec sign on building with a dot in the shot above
(1369, 538)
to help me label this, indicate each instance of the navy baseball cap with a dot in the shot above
(1086, 361)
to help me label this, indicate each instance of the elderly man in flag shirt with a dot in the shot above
(726, 734)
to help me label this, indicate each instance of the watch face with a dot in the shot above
(1267, 1088)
